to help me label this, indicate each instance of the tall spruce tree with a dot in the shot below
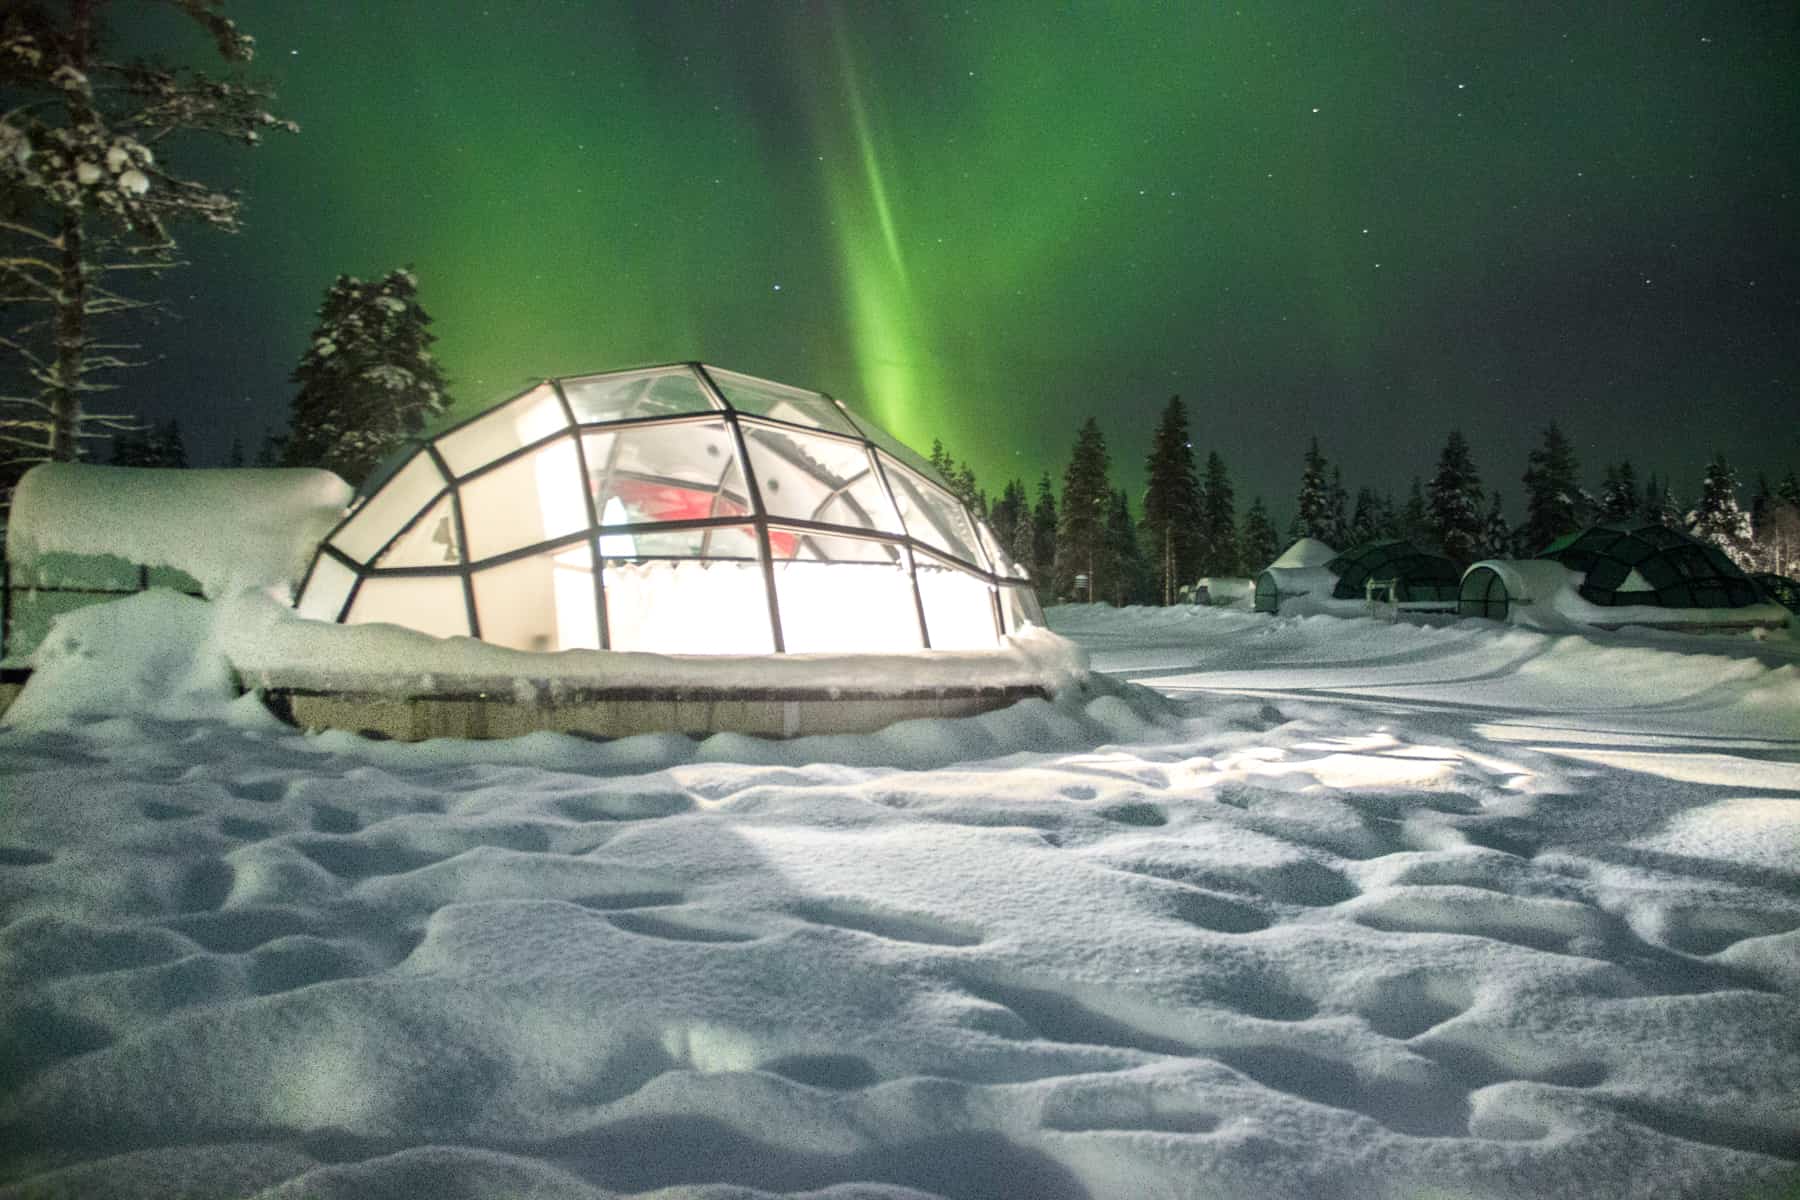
(1314, 517)
(1619, 494)
(1337, 509)
(1455, 503)
(1719, 519)
(1415, 518)
(1131, 579)
(1043, 532)
(1004, 514)
(1365, 520)
(86, 204)
(1258, 543)
(1553, 496)
(1219, 551)
(368, 381)
(1081, 543)
(1496, 533)
(1171, 502)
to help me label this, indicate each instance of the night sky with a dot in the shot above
(1369, 222)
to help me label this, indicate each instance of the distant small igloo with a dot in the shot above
(680, 509)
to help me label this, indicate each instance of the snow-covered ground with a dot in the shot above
(1362, 910)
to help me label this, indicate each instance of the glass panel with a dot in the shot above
(935, 517)
(429, 604)
(823, 547)
(1003, 563)
(959, 608)
(665, 473)
(676, 607)
(1019, 608)
(519, 422)
(766, 398)
(413, 487)
(545, 602)
(817, 479)
(846, 607)
(431, 542)
(898, 449)
(325, 590)
(534, 498)
(664, 392)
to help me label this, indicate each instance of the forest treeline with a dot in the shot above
(1084, 541)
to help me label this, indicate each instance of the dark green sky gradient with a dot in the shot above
(988, 222)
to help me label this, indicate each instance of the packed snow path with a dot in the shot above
(1376, 911)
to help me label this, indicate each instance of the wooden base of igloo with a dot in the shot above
(517, 709)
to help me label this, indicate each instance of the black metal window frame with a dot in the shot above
(880, 459)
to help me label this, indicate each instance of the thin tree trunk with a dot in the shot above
(71, 337)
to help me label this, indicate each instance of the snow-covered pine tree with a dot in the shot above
(1364, 520)
(1619, 494)
(1314, 517)
(1043, 532)
(1258, 542)
(1496, 533)
(1081, 543)
(368, 380)
(1455, 503)
(1021, 544)
(1552, 492)
(1415, 518)
(1131, 580)
(1337, 509)
(1719, 519)
(1789, 489)
(157, 446)
(83, 197)
(1219, 550)
(1005, 511)
(1171, 502)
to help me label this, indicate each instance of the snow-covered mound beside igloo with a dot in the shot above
(228, 529)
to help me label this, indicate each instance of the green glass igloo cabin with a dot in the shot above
(1614, 575)
(680, 509)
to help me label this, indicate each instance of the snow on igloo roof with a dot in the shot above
(674, 509)
(1652, 564)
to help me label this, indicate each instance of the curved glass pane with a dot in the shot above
(431, 541)
(662, 392)
(843, 606)
(959, 608)
(383, 514)
(766, 398)
(934, 516)
(326, 589)
(544, 602)
(688, 607)
(519, 422)
(682, 472)
(809, 478)
(430, 604)
(534, 498)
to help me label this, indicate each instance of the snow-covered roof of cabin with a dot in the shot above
(229, 529)
(1307, 552)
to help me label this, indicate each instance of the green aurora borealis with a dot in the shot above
(985, 222)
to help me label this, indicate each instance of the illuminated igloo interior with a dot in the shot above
(677, 510)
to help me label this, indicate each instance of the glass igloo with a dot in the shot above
(679, 509)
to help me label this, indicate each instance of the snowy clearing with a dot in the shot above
(1361, 910)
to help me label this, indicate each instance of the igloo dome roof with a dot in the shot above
(1651, 564)
(674, 509)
